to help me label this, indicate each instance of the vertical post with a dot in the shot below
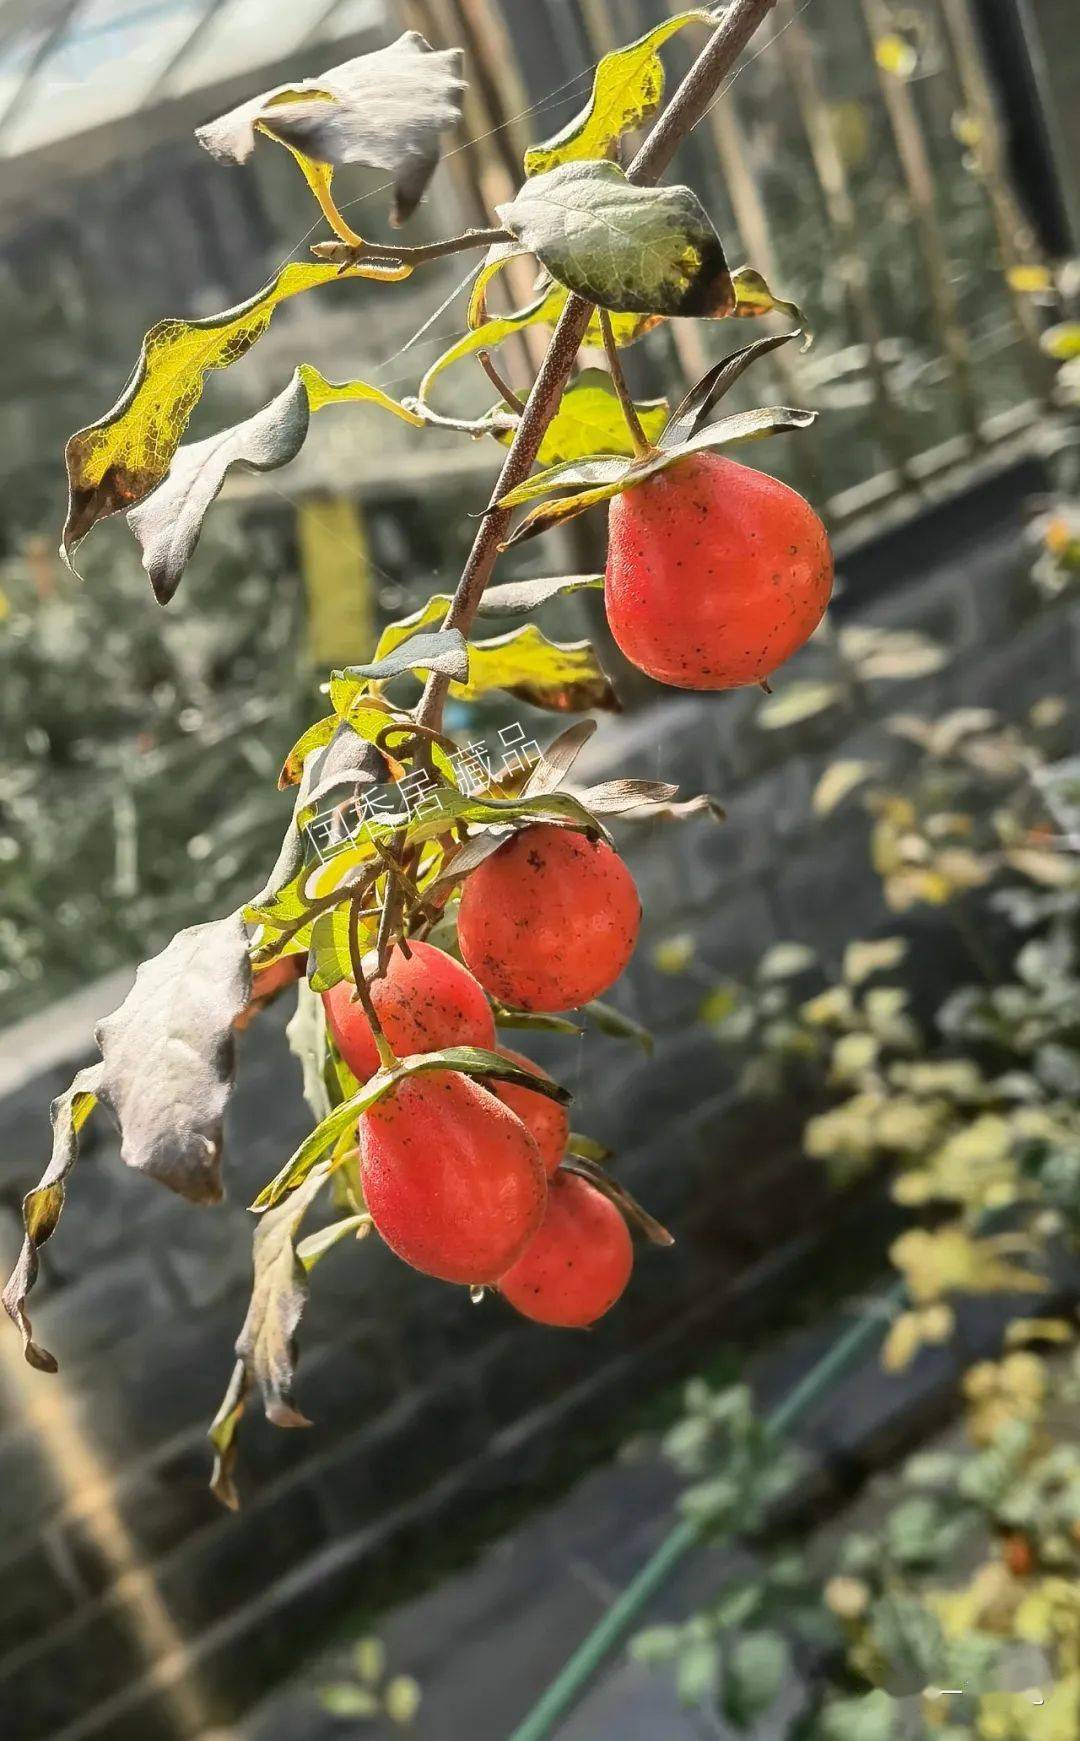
(1016, 243)
(919, 177)
(797, 51)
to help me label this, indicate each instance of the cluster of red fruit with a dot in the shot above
(465, 1181)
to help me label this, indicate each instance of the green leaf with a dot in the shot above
(868, 1718)
(346, 1699)
(114, 464)
(167, 1057)
(402, 1700)
(538, 1020)
(522, 597)
(618, 1026)
(316, 1245)
(41, 1207)
(387, 110)
(306, 1034)
(689, 416)
(628, 87)
(470, 1060)
(445, 651)
(755, 1669)
(330, 957)
(590, 420)
(633, 250)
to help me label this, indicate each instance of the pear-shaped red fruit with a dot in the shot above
(452, 1179)
(716, 573)
(575, 1268)
(546, 1121)
(426, 1001)
(550, 920)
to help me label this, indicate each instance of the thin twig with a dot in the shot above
(643, 447)
(353, 254)
(500, 386)
(688, 105)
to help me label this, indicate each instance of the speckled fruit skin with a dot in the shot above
(579, 1263)
(550, 920)
(547, 1122)
(426, 1001)
(716, 573)
(452, 1179)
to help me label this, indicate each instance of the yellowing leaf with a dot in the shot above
(895, 55)
(116, 462)
(1062, 342)
(1030, 280)
(950, 1260)
(590, 420)
(796, 702)
(627, 89)
(837, 783)
(910, 1331)
(561, 676)
(999, 1392)
(877, 956)
(753, 297)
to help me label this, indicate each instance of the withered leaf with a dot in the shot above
(168, 1054)
(42, 1206)
(266, 1345)
(387, 110)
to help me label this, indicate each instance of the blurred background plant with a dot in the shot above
(954, 1612)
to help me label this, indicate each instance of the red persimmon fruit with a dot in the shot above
(716, 573)
(550, 920)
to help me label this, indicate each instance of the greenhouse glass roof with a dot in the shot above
(67, 66)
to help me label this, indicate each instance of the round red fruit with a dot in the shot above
(546, 1121)
(550, 920)
(452, 1179)
(579, 1263)
(426, 1001)
(716, 573)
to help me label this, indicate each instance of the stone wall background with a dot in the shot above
(431, 1413)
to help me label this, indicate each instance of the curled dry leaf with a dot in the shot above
(630, 249)
(168, 1054)
(387, 110)
(42, 1206)
(266, 1345)
(168, 523)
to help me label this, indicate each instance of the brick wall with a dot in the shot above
(428, 1410)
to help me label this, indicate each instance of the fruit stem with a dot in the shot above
(387, 1057)
(643, 447)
